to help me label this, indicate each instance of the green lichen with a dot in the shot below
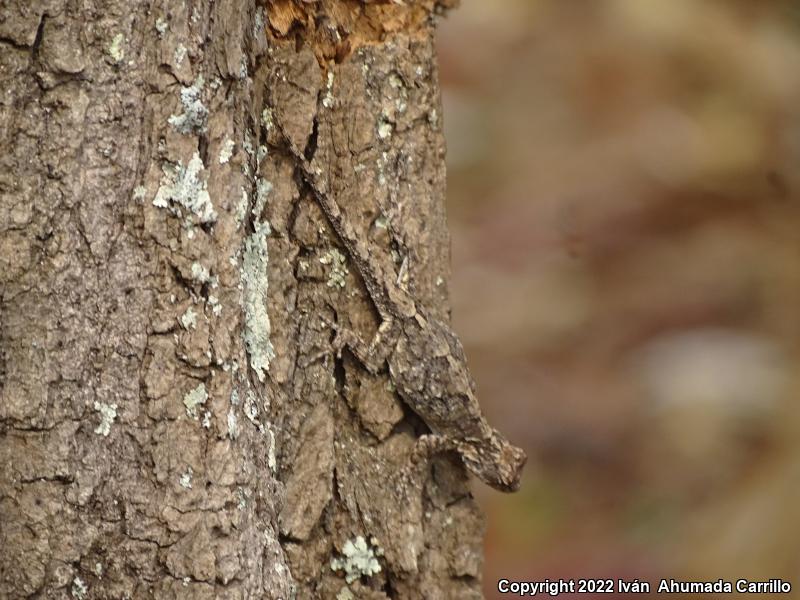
(108, 412)
(251, 408)
(180, 54)
(186, 479)
(247, 144)
(242, 495)
(272, 463)
(195, 398)
(79, 589)
(433, 118)
(184, 188)
(200, 273)
(385, 129)
(227, 151)
(337, 276)
(195, 114)
(233, 423)
(327, 101)
(263, 188)
(359, 559)
(189, 319)
(241, 208)
(115, 49)
(258, 23)
(161, 26)
(213, 303)
(257, 328)
(266, 119)
(345, 594)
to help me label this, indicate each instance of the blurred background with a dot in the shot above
(623, 200)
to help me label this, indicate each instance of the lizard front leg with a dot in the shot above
(371, 355)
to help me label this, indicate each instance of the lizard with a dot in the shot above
(425, 359)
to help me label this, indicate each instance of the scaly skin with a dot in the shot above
(426, 363)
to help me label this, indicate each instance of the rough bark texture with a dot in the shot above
(173, 421)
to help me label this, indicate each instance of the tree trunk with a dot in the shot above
(174, 421)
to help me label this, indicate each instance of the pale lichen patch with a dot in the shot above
(233, 423)
(200, 273)
(337, 276)
(79, 589)
(345, 594)
(247, 143)
(251, 408)
(433, 118)
(242, 495)
(213, 303)
(258, 22)
(139, 193)
(257, 328)
(241, 208)
(186, 479)
(195, 398)
(227, 151)
(183, 187)
(327, 101)
(180, 54)
(115, 49)
(195, 114)
(272, 462)
(359, 559)
(189, 319)
(263, 188)
(385, 129)
(108, 412)
(161, 26)
(266, 119)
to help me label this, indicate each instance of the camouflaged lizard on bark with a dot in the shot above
(425, 360)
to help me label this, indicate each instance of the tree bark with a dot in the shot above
(173, 421)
